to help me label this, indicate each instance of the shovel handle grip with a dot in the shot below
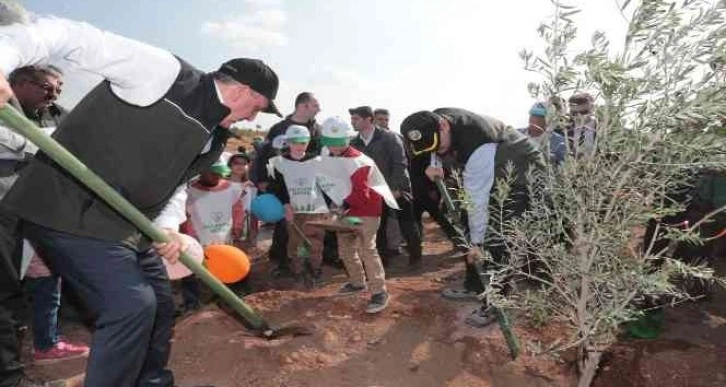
(448, 202)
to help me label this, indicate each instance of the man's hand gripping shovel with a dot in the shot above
(17, 122)
(499, 314)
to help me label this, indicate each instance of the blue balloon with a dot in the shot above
(268, 208)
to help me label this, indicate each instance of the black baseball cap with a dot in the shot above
(258, 76)
(420, 131)
(363, 111)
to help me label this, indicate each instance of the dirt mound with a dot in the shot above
(691, 351)
(417, 341)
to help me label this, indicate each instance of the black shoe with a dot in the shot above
(316, 279)
(481, 317)
(282, 272)
(312, 278)
(336, 263)
(390, 253)
(349, 288)
(378, 302)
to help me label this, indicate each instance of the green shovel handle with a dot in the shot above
(75, 167)
(448, 202)
(501, 316)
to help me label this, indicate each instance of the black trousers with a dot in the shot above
(13, 306)
(516, 204)
(130, 293)
(410, 229)
(278, 248)
(421, 205)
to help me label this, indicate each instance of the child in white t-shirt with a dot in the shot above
(215, 215)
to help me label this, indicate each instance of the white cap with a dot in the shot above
(297, 134)
(336, 132)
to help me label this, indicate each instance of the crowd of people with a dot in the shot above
(353, 166)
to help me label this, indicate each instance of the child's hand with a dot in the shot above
(6, 92)
(171, 250)
(289, 213)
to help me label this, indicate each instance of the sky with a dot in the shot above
(401, 55)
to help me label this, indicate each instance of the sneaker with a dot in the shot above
(73, 381)
(480, 317)
(378, 302)
(459, 294)
(27, 382)
(349, 288)
(61, 351)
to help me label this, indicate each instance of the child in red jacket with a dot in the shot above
(363, 198)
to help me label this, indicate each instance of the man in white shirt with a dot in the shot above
(484, 147)
(151, 125)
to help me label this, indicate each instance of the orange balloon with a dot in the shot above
(228, 263)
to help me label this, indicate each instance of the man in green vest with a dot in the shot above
(483, 147)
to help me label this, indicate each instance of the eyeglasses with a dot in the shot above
(49, 88)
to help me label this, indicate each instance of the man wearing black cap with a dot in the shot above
(152, 124)
(483, 147)
(386, 149)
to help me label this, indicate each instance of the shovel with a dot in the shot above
(77, 169)
(501, 317)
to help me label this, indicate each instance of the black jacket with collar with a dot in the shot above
(386, 149)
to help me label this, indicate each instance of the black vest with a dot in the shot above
(469, 131)
(144, 153)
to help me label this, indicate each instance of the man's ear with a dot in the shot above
(240, 92)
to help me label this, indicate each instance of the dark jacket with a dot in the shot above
(386, 149)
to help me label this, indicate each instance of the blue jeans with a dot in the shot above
(46, 302)
(130, 293)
